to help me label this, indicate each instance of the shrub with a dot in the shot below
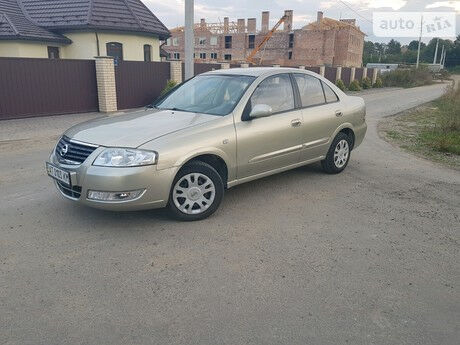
(444, 74)
(366, 83)
(445, 135)
(170, 84)
(341, 85)
(407, 77)
(378, 82)
(354, 86)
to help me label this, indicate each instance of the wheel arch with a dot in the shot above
(213, 158)
(347, 129)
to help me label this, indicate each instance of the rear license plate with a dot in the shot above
(58, 174)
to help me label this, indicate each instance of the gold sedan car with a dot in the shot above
(212, 132)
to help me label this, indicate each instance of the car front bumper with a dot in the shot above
(84, 177)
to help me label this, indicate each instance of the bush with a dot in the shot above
(378, 82)
(354, 86)
(341, 85)
(407, 77)
(445, 135)
(366, 83)
(444, 74)
(170, 84)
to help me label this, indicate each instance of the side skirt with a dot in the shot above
(273, 172)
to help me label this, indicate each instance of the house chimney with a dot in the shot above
(252, 25)
(203, 23)
(288, 21)
(319, 16)
(241, 25)
(265, 21)
(226, 25)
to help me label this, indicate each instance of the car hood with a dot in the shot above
(136, 128)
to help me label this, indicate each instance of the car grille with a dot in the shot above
(73, 192)
(70, 152)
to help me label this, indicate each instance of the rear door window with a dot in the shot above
(310, 89)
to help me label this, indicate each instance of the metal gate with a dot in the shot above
(139, 83)
(37, 87)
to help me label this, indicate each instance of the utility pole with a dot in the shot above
(419, 42)
(189, 43)
(436, 52)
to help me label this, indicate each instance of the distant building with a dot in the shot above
(324, 42)
(383, 67)
(80, 29)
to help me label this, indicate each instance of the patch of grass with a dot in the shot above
(431, 130)
(442, 142)
(407, 77)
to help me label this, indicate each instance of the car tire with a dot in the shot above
(196, 192)
(338, 155)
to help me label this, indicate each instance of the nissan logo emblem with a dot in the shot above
(64, 149)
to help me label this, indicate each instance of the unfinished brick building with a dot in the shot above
(326, 42)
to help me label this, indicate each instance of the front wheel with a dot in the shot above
(196, 192)
(338, 155)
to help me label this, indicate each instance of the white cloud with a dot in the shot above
(452, 4)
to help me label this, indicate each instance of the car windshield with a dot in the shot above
(208, 94)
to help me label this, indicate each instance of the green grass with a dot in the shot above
(432, 130)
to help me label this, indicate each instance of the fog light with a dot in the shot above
(114, 196)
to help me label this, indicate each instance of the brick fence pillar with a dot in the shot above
(244, 65)
(374, 75)
(364, 72)
(106, 87)
(322, 70)
(301, 67)
(224, 65)
(176, 71)
(338, 73)
(352, 74)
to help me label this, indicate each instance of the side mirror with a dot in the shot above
(260, 110)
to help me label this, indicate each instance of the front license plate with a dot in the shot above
(58, 174)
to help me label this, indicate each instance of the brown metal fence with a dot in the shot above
(139, 83)
(330, 73)
(359, 72)
(313, 69)
(34, 87)
(346, 76)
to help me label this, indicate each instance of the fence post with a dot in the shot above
(338, 73)
(175, 68)
(374, 75)
(244, 65)
(352, 74)
(106, 85)
(301, 67)
(224, 65)
(364, 72)
(322, 70)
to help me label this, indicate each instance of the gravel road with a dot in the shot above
(370, 256)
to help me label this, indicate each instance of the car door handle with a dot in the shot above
(338, 113)
(296, 123)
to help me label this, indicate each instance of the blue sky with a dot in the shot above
(171, 12)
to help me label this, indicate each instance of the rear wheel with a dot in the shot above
(196, 192)
(338, 155)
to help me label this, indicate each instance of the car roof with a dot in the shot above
(256, 71)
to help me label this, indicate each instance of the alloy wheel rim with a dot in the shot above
(194, 193)
(341, 153)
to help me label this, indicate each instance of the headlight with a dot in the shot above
(119, 157)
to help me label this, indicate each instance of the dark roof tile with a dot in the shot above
(14, 25)
(37, 19)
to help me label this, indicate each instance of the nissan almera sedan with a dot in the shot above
(212, 132)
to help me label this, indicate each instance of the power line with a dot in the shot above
(353, 10)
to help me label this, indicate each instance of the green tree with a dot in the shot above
(394, 47)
